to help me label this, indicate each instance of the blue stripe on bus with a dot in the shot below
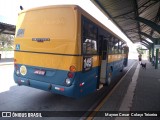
(88, 79)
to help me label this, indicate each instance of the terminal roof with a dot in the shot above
(135, 18)
(7, 28)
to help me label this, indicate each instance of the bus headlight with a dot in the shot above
(68, 81)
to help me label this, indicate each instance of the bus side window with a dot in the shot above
(89, 46)
(89, 37)
(111, 45)
(120, 47)
(122, 50)
(123, 45)
(116, 45)
(85, 28)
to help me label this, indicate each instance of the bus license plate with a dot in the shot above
(40, 72)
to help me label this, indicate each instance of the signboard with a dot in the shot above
(156, 46)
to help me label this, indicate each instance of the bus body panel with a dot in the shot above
(58, 89)
(48, 42)
(44, 30)
(60, 62)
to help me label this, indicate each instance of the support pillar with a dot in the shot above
(150, 55)
(156, 64)
(152, 50)
(156, 61)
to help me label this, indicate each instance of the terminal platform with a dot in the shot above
(137, 92)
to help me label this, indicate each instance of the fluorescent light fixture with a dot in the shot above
(145, 42)
(149, 40)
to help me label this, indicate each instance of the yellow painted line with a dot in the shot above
(91, 116)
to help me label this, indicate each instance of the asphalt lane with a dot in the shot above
(6, 77)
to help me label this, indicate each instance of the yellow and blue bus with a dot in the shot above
(64, 50)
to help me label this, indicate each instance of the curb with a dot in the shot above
(9, 63)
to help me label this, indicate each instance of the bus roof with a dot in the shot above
(47, 7)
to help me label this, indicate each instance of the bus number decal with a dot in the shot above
(87, 63)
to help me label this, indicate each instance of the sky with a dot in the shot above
(9, 10)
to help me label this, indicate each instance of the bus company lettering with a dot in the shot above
(40, 39)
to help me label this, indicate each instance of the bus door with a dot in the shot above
(103, 67)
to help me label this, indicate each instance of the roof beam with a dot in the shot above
(145, 6)
(149, 23)
(122, 14)
(132, 35)
(1, 30)
(148, 36)
(7, 28)
(8, 33)
(155, 0)
(96, 2)
(146, 41)
(137, 15)
(157, 19)
(145, 45)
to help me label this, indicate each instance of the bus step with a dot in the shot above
(100, 86)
